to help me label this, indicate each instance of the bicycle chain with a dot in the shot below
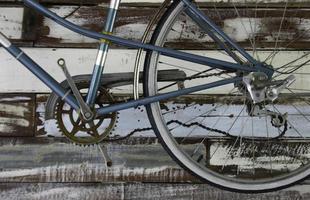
(150, 128)
(196, 123)
(224, 132)
(203, 76)
(191, 124)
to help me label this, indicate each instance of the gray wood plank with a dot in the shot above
(136, 191)
(17, 113)
(56, 160)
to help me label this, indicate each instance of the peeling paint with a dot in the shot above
(16, 110)
(15, 99)
(14, 121)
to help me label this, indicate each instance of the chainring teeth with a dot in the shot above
(90, 139)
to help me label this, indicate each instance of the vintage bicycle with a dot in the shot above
(238, 119)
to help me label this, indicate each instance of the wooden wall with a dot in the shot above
(37, 163)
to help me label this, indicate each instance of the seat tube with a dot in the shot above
(102, 53)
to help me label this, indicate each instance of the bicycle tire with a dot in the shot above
(173, 147)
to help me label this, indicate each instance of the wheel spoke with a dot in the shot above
(237, 146)
(240, 19)
(74, 130)
(272, 55)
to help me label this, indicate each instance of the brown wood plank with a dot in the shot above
(132, 21)
(129, 18)
(143, 191)
(206, 3)
(30, 25)
(17, 112)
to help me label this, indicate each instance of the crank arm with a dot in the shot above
(85, 110)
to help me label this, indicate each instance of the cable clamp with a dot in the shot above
(102, 40)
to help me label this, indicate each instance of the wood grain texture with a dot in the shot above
(56, 160)
(263, 20)
(132, 22)
(51, 168)
(136, 191)
(291, 3)
(17, 113)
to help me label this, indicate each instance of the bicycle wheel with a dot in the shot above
(214, 133)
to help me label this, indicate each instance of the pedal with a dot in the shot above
(84, 108)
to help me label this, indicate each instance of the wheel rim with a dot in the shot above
(245, 182)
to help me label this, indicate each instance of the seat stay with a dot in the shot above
(202, 19)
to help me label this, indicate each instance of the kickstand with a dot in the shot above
(106, 157)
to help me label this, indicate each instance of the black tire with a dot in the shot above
(211, 177)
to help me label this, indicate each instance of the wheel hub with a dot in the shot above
(261, 88)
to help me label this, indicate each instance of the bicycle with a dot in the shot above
(239, 93)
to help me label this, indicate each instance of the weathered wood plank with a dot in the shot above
(11, 20)
(31, 22)
(17, 112)
(63, 169)
(224, 3)
(263, 23)
(136, 191)
(81, 61)
(132, 20)
(125, 120)
(55, 160)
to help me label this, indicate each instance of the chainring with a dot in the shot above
(70, 123)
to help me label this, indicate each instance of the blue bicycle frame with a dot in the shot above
(106, 37)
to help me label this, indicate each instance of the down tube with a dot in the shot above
(18, 54)
(159, 97)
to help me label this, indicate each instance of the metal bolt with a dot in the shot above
(87, 115)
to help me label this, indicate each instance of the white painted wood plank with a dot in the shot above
(11, 20)
(15, 78)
